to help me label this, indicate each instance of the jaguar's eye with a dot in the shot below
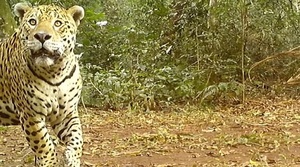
(32, 22)
(57, 23)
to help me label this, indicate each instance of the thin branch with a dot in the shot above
(244, 26)
(289, 53)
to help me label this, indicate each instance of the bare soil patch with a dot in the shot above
(264, 132)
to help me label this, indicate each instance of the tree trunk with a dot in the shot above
(7, 22)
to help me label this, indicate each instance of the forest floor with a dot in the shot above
(263, 132)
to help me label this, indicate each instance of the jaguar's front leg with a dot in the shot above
(39, 140)
(70, 133)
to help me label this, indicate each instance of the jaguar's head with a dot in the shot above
(48, 31)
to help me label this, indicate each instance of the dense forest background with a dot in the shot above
(150, 54)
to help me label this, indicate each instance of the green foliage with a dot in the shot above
(153, 53)
(222, 89)
(121, 88)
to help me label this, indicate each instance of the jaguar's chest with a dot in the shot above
(42, 98)
(53, 101)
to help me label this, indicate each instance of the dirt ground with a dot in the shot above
(263, 132)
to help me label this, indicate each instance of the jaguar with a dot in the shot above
(40, 81)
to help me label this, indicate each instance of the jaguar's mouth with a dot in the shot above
(44, 53)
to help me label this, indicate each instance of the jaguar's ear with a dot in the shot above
(21, 8)
(77, 12)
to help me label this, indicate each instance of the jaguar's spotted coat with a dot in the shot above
(40, 81)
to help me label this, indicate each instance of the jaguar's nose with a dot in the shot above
(42, 36)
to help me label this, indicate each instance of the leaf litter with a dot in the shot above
(263, 132)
